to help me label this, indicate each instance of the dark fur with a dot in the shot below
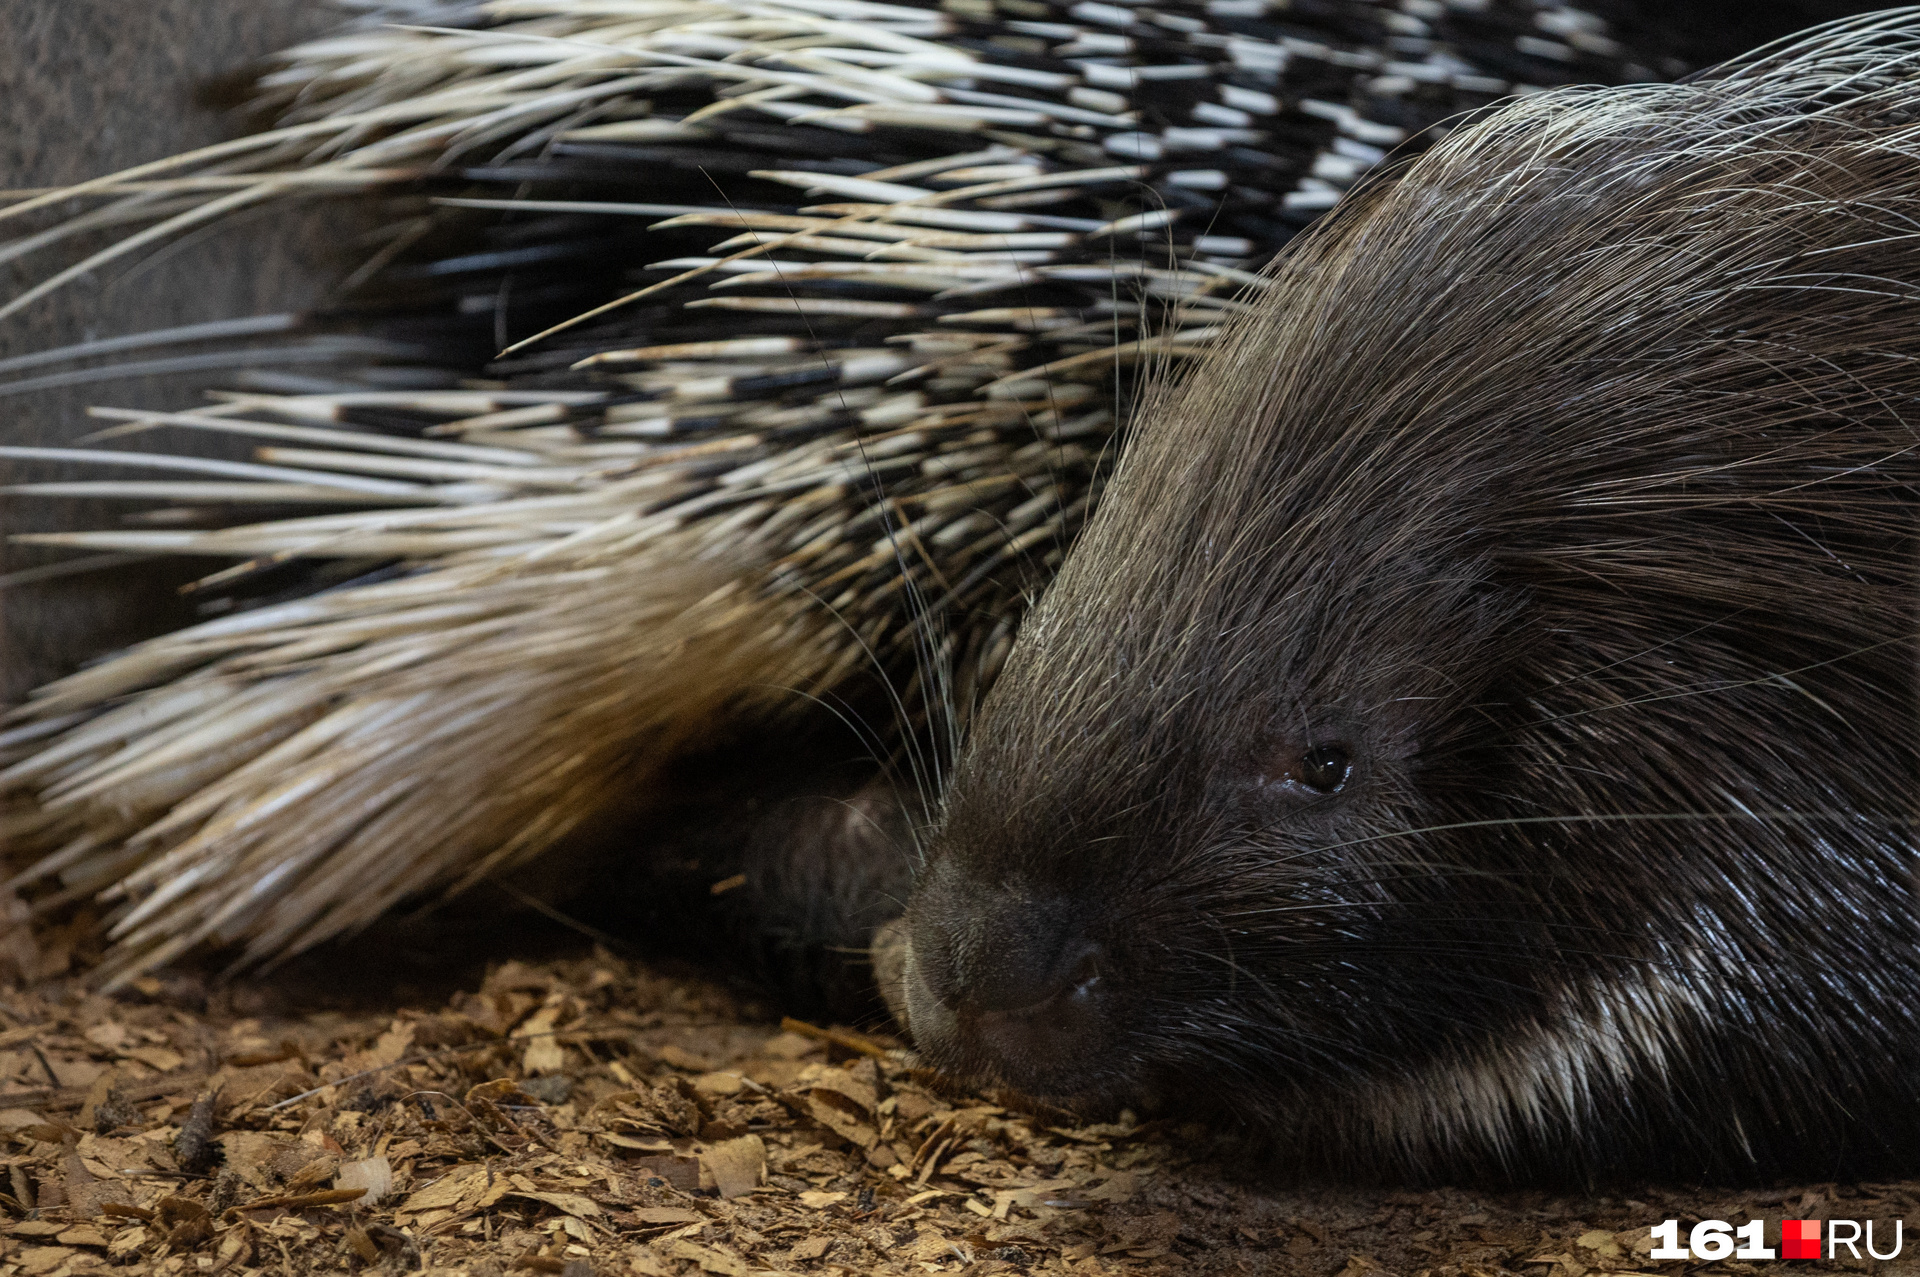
(1567, 482)
(807, 861)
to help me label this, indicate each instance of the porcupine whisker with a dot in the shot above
(913, 853)
(1305, 959)
(1623, 818)
(1454, 916)
(1338, 1057)
(927, 763)
(1252, 1050)
(1763, 680)
(876, 743)
(1494, 994)
(1421, 871)
(1661, 646)
(1244, 1069)
(922, 770)
(843, 714)
(926, 772)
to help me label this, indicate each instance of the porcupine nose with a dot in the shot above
(1045, 1018)
(1006, 984)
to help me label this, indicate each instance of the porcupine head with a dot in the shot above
(1476, 734)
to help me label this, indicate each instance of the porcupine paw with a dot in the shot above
(818, 876)
(782, 885)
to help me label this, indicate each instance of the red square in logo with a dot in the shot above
(1799, 1239)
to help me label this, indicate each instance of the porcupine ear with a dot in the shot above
(878, 401)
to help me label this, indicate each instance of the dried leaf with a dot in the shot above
(452, 1190)
(390, 1048)
(738, 1165)
(719, 1083)
(44, 1259)
(570, 1203)
(664, 1215)
(711, 1260)
(544, 1055)
(158, 1058)
(373, 1175)
(830, 1109)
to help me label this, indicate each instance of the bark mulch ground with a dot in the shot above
(585, 1114)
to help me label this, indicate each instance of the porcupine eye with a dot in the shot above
(1325, 767)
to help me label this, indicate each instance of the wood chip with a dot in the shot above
(737, 1165)
(627, 1174)
(572, 1203)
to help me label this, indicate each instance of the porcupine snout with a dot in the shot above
(1007, 980)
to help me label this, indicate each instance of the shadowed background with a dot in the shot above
(87, 87)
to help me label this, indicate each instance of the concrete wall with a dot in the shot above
(87, 87)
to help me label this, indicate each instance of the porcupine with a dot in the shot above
(1483, 740)
(101, 756)
(977, 221)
